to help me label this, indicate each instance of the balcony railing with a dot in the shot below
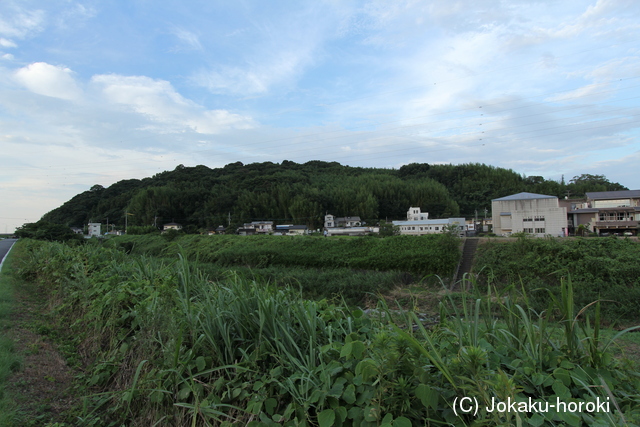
(617, 224)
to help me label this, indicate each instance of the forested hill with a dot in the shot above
(200, 197)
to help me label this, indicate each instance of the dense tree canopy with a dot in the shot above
(45, 230)
(200, 197)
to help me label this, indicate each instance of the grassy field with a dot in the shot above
(159, 341)
(9, 360)
(605, 269)
(423, 255)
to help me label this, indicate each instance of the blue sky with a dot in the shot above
(92, 92)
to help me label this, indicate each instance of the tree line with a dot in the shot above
(201, 197)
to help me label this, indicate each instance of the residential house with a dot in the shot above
(256, 227)
(261, 227)
(531, 213)
(172, 226)
(291, 230)
(246, 231)
(330, 221)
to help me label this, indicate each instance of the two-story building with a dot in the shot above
(531, 213)
(331, 221)
(608, 212)
(256, 227)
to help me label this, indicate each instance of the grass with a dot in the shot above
(165, 343)
(34, 379)
(9, 360)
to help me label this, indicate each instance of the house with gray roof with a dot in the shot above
(531, 213)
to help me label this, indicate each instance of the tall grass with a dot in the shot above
(603, 269)
(166, 345)
(420, 255)
(520, 354)
(10, 362)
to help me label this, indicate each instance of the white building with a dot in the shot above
(331, 221)
(351, 231)
(414, 214)
(94, 229)
(530, 213)
(417, 224)
(172, 226)
(256, 227)
(290, 230)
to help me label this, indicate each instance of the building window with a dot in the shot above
(539, 218)
(437, 228)
(528, 230)
(527, 219)
(540, 231)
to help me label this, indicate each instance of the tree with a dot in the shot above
(585, 183)
(387, 229)
(45, 230)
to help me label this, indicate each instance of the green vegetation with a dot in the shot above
(422, 255)
(9, 360)
(46, 230)
(160, 342)
(355, 268)
(202, 198)
(600, 269)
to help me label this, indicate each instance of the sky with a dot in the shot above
(94, 92)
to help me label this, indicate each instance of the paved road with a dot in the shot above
(5, 245)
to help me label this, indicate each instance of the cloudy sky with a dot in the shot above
(95, 91)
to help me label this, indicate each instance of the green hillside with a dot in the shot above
(200, 197)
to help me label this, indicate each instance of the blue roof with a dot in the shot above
(622, 194)
(524, 196)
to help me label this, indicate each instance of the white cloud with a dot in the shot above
(276, 51)
(7, 43)
(188, 39)
(49, 80)
(159, 101)
(257, 78)
(18, 22)
(75, 15)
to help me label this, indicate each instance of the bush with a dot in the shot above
(604, 269)
(164, 344)
(420, 255)
(45, 230)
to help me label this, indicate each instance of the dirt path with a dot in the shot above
(42, 387)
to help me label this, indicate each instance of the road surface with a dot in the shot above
(5, 245)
